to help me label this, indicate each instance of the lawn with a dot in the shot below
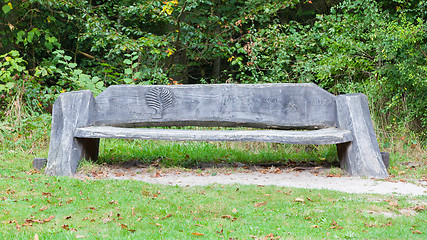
(36, 206)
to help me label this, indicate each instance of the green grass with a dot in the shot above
(111, 209)
(190, 154)
(66, 208)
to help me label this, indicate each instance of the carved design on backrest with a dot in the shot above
(320, 101)
(259, 105)
(292, 107)
(159, 99)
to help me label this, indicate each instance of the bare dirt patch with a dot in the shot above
(312, 177)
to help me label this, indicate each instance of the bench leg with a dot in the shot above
(362, 156)
(70, 111)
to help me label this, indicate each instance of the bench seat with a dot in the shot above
(318, 137)
(300, 113)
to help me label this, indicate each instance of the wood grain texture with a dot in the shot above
(79, 120)
(280, 106)
(318, 137)
(362, 156)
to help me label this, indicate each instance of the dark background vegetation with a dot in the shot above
(378, 47)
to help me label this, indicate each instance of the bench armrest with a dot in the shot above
(70, 110)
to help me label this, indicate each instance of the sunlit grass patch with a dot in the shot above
(187, 154)
(63, 207)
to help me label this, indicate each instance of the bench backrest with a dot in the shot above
(281, 105)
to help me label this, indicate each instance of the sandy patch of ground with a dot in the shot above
(300, 177)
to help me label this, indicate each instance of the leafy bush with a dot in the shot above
(376, 47)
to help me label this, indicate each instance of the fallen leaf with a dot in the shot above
(36, 237)
(123, 226)
(105, 220)
(299, 200)
(335, 225)
(113, 202)
(65, 227)
(370, 225)
(197, 234)
(387, 224)
(229, 217)
(417, 232)
(43, 208)
(332, 175)
(50, 218)
(260, 204)
(133, 213)
(167, 216)
(314, 226)
(270, 236)
(234, 210)
(67, 217)
(80, 236)
(393, 204)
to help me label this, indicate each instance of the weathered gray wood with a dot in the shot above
(79, 120)
(282, 106)
(361, 156)
(39, 163)
(386, 159)
(318, 137)
(70, 110)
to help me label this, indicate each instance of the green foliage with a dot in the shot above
(67, 75)
(376, 47)
(356, 48)
(11, 65)
(138, 73)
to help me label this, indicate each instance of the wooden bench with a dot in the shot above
(284, 113)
